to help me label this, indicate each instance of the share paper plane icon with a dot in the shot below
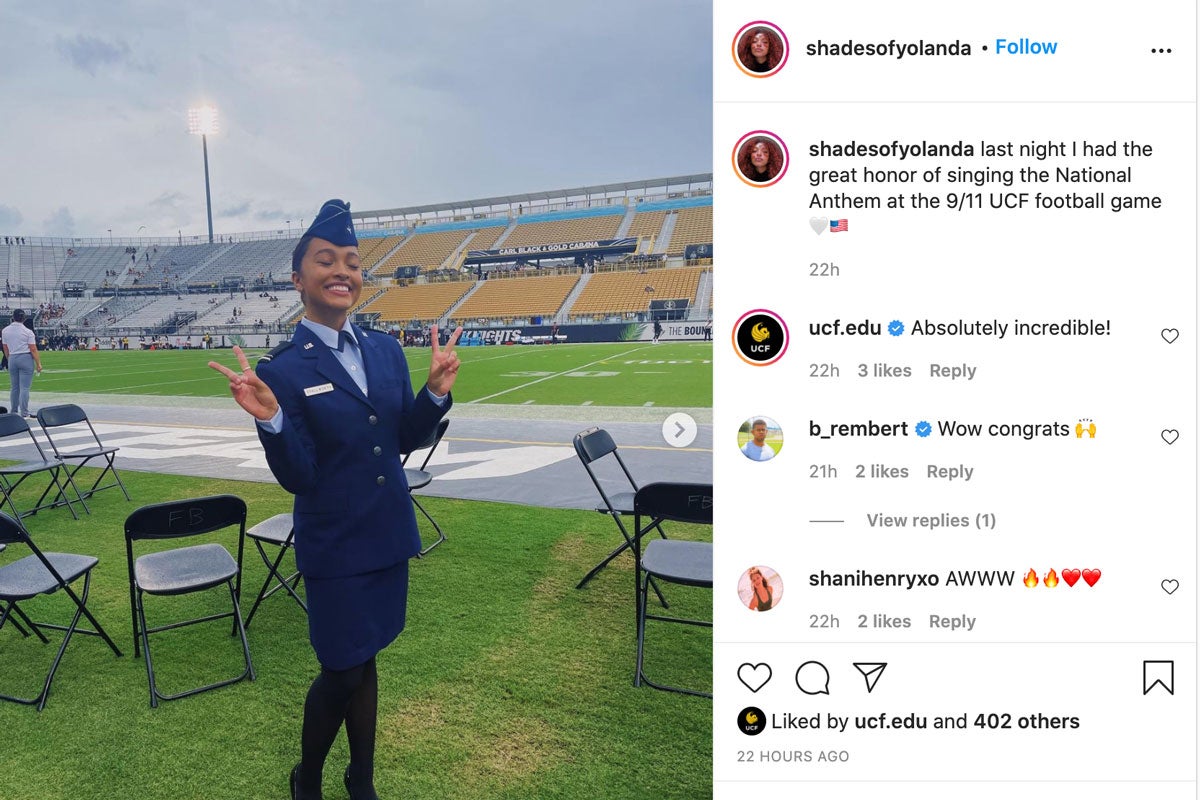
(870, 671)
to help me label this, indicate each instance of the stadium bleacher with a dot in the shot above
(614, 294)
(692, 226)
(569, 229)
(517, 298)
(421, 303)
(137, 283)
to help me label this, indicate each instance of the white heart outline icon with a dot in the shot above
(1170, 585)
(1170, 436)
(1170, 335)
(751, 674)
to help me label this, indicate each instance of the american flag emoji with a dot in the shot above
(839, 225)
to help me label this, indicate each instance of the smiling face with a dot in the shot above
(759, 432)
(760, 155)
(329, 282)
(760, 47)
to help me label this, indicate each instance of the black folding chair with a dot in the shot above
(185, 570)
(50, 417)
(276, 531)
(591, 446)
(420, 478)
(44, 573)
(15, 425)
(671, 560)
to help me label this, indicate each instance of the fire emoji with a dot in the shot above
(1031, 580)
(1051, 580)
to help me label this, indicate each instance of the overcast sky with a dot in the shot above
(384, 104)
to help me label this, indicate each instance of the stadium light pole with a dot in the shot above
(201, 122)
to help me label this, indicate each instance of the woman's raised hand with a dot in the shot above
(247, 389)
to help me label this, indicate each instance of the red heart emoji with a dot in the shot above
(1071, 576)
(1090, 576)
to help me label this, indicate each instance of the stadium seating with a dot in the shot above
(576, 229)
(372, 251)
(647, 223)
(517, 298)
(615, 293)
(249, 260)
(422, 303)
(692, 226)
(424, 250)
(485, 239)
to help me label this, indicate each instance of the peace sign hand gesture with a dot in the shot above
(443, 367)
(247, 389)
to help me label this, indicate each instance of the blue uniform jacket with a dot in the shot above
(339, 452)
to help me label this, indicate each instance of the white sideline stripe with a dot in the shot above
(559, 374)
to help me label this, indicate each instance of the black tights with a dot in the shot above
(336, 695)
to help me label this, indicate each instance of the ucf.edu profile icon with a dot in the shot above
(752, 721)
(760, 337)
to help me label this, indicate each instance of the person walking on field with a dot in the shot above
(20, 348)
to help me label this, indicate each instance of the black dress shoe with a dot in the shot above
(293, 779)
(357, 795)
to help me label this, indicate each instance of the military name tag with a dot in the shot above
(322, 389)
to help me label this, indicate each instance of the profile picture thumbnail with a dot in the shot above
(760, 158)
(760, 588)
(760, 438)
(760, 49)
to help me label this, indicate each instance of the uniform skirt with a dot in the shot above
(351, 619)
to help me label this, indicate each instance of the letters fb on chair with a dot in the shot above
(43, 573)
(185, 570)
(71, 421)
(15, 426)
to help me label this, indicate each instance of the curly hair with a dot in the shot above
(774, 161)
(774, 48)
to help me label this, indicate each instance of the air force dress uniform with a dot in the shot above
(337, 448)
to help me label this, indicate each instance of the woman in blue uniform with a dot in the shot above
(335, 408)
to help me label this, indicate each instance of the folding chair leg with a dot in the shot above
(239, 628)
(12, 609)
(61, 497)
(4, 615)
(441, 536)
(596, 569)
(642, 591)
(141, 616)
(82, 603)
(109, 468)
(273, 572)
(69, 631)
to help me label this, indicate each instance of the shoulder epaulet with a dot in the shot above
(276, 350)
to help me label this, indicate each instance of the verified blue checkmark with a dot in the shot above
(896, 328)
(924, 429)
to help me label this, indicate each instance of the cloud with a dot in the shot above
(167, 201)
(60, 223)
(91, 53)
(10, 218)
(234, 211)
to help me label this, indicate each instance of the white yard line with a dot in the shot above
(559, 374)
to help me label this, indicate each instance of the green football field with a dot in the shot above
(671, 374)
